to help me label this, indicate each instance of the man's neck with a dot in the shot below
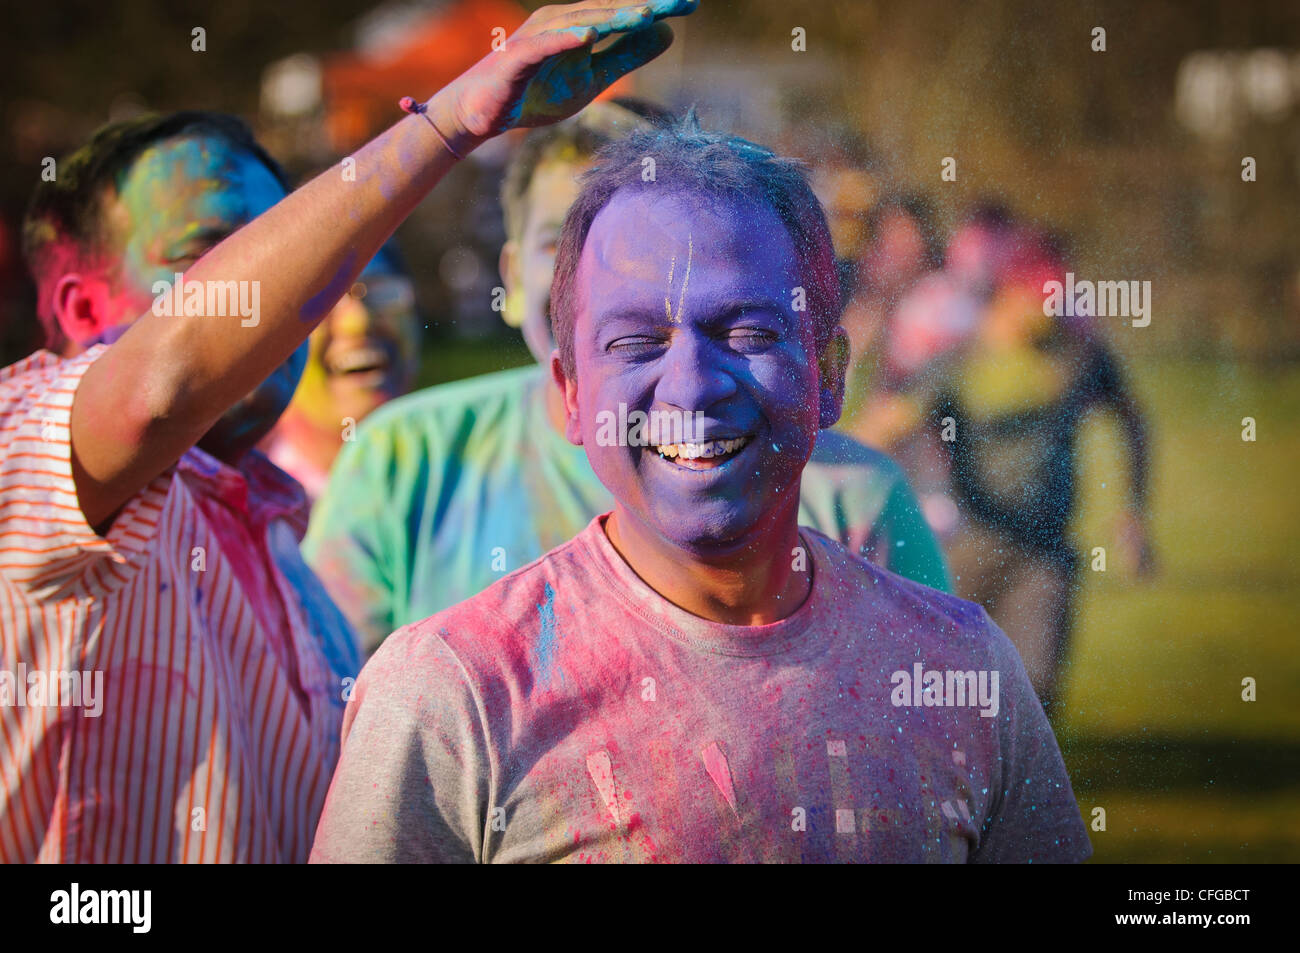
(763, 583)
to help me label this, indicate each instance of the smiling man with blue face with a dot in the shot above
(688, 312)
(695, 677)
(446, 490)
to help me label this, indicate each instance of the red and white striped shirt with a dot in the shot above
(222, 659)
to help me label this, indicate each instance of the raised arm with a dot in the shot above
(168, 379)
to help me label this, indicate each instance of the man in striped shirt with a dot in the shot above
(217, 657)
(140, 539)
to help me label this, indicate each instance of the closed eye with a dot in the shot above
(634, 346)
(750, 340)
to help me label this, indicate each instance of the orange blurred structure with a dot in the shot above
(361, 90)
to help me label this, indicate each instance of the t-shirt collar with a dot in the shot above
(702, 634)
(256, 487)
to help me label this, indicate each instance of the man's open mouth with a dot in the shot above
(364, 359)
(702, 456)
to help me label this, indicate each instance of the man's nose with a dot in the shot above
(351, 317)
(693, 376)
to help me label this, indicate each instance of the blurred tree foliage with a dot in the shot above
(1012, 89)
(1086, 141)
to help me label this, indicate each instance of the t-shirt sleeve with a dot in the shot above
(348, 543)
(47, 549)
(1033, 817)
(414, 777)
(912, 550)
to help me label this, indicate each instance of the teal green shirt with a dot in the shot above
(446, 490)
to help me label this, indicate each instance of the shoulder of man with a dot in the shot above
(35, 362)
(835, 450)
(444, 403)
(498, 628)
(861, 496)
(53, 553)
(846, 486)
(931, 609)
(423, 427)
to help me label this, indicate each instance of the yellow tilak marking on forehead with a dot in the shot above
(690, 253)
(668, 308)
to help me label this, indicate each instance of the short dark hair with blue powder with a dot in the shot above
(689, 158)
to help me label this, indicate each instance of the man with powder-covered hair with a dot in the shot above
(446, 490)
(675, 683)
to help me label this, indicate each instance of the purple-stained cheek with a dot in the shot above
(320, 305)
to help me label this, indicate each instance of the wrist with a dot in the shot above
(441, 110)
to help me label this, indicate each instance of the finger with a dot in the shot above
(575, 14)
(605, 20)
(605, 17)
(672, 8)
(621, 18)
(629, 52)
(535, 50)
(547, 16)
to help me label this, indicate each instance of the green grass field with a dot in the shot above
(1154, 729)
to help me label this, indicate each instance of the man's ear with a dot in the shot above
(81, 305)
(512, 309)
(569, 388)
(833, 366)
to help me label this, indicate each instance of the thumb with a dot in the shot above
(629, 52)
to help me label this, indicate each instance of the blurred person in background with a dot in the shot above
(362, 355)
(980, 398)
(1018, 393)
(448, 489)
(903, 245)
(917, 331)
(844, 176)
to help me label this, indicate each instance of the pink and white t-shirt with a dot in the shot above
(171, 690)
(570, 713)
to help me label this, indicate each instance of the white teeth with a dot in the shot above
(359, 358)
(702, 451)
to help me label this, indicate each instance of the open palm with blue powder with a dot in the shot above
(548, 70)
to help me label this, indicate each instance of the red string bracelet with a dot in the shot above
(409, 105)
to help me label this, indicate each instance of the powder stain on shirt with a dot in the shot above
(715, 762)
(544, 656)
(601, 769)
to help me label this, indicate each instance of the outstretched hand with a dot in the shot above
(1135, 543)
(547, 70)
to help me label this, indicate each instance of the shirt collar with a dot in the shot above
(256, 488)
